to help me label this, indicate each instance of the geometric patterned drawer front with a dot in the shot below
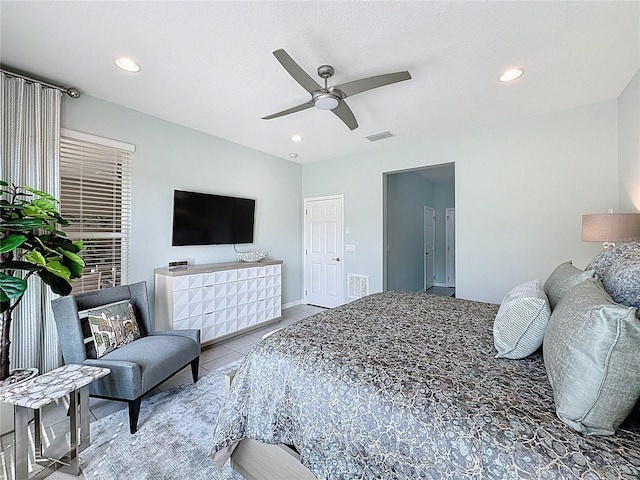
(222, 302)
(180, 283)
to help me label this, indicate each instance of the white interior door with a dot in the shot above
(450, 223)
(323, 251)
(429, 246)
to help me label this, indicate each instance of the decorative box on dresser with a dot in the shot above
(221, 299)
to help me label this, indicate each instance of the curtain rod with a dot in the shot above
(71, 91)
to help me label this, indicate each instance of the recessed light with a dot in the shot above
(511, 74)
(127, 64)
(296, 138)
(293, 155)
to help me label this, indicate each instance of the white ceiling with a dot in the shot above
(208, 65)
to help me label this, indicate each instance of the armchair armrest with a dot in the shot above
(124, 381)
(193, 334)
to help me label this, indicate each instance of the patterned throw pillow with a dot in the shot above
(591, 355)
(113, 326)
(603, 260)
(619, 269)
(519, 326)
(563, 279)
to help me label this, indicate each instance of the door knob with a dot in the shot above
(336, 259)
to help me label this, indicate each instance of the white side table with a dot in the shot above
(40, 391)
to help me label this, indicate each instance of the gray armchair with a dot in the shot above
(136, 368)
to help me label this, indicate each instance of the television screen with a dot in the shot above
(206, 219)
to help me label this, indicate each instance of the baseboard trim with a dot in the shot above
(291, 304)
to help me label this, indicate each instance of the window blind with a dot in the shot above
(95, 196)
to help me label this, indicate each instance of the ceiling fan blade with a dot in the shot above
(364, 84)
(344, 113)
(299, 108)
(298, 74)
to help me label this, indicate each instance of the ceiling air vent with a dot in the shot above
(374, 137)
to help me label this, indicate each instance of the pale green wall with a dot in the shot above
(521, 189)
(407, 195)
(168, 157)
(629, 146)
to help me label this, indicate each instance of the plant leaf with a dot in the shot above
(21, 224)
(3, 183)
(57, 268)
(44, 204)
(35, 257)
(58, 284)
(40, 193)
(11, 243)
(11, 287)
(17, 265)
(73, 262)
(72, 256)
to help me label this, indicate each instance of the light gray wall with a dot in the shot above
(168, 157)
(521, 189)
(629, 146)
(407, 195)
(444, 197)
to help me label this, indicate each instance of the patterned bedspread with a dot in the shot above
(402, 385)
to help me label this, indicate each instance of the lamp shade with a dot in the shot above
(611, 227)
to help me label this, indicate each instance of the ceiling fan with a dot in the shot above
(331, 98)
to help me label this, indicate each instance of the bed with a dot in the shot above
(402, 385)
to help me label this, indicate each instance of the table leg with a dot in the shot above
(74, 420)
(37, 432)
(21, 446)
(85, 439)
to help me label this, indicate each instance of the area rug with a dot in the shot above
(173, 438)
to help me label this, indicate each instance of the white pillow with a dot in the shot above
(518, 329)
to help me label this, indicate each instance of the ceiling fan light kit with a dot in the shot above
(331, 98)
(325, 101)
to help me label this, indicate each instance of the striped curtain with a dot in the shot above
(30, 151)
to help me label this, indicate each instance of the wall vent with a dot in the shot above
(374, 137)
(358, 285)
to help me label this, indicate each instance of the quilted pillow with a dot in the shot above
(519, 326)
(590, 352)
(113, 326)
(563, 279)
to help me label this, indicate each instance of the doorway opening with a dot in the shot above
(419, 230)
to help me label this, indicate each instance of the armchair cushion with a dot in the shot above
(157, 357)
(113, 326)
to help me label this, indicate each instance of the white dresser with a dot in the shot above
(220, 299)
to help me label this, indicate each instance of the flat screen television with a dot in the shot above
(206, 219)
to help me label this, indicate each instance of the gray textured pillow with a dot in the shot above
(519, 326)
(563, 279)
(591, 353)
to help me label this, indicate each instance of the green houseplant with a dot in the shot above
(31, 244)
